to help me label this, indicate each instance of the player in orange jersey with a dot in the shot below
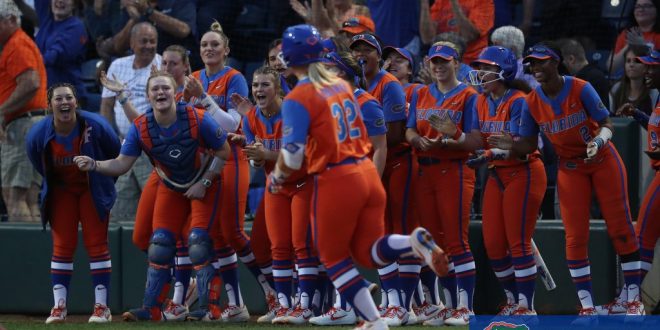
(175, 137)
(324, 129)
(69, 197)
(570, 113)
(516, 186)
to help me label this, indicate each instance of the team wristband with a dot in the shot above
(458, 134)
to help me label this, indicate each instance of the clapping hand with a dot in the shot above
(113, 84)
(635, 37)
(443, 124)
(501, 141)
(241, 103)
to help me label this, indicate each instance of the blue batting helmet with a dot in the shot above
(503, 57)
(301, 44)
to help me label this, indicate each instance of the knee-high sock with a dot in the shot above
(449, 286)
(247, 258)
(430, 282)
(101, 269)
(525, 271)
(503, 269)
(409, 269)
(61, 270)
(389, 283)
(632, 275)
(581, 274)
(283, 275)
(465, 278)
(308, 272)
(228, 263)
(351, 285)
(182, 272)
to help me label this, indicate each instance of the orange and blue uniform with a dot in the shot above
(348, 200)
(286, 213)
(648, 221)
(445, 184)
(175, 150)
(512, 198)
(229, 238)
(69, 196)
(570, 122)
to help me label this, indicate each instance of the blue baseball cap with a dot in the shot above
(540, 52)
(369, 39)
(336, 60)
(650, 59)
(328, 45)
(444, 52)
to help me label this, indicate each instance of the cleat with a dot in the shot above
(273, 306)
(191, 295)
(525, 316)
(235, 314)
(396, 316)
(382, 310)
(507, 309)
(522, 311)
(335, 316)
(439, 318)
(590, 311)
(281, 316)
(101, 314)
(138, 314)
(175, 312)
(587, 317)
(616, 307)
(412, 318)
(379, 324)
(425, 248)
(300, 315)
(635, 308)
(460, 317)
(426, 311)
(57, 315)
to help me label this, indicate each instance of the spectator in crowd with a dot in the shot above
(575, 61)
(471, 19)
(397, 23)
(357, 25)
(29, 20)
(103, 19)
(513, 38)
(134, 70)
(22, 103)
(69, 197)
(174, 21)
(62, 40)
(504, 10)
(328, 17)
(644, 32)
(630, 89)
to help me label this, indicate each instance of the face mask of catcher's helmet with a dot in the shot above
(498, 56)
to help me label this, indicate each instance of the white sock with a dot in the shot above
(510, 298)
(393, 298)
(59, 295)
(365, 305)
(304, 300)
(101, 294)
(633, 293)
(177, 297)
(585, 299)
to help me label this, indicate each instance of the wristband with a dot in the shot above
(458, 134)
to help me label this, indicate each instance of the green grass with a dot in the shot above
(77, 322)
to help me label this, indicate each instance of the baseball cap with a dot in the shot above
(367, 38)
(328, 45)
(650, 59)
(443, 51)
(401, 51)
(359, 24)
(540, 52)
(336, 60)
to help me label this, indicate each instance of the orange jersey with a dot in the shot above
(411, 89)
(480, 12)
(269, 131)
(20, 54)
(327, 121)
(653, 136)
(500, 116)
(652, 39)
(569, 121)
(65, 171)
(459, 104)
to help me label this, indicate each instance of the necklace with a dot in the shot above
(501, 99)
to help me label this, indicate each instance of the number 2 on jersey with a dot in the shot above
(345, 119)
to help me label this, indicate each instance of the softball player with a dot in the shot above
(516, 185)
(287, 213)
(443, 173)
(570, 113)
(69, 197)
(323, 128)
(174, 137)
(220, 82)
(397, 177)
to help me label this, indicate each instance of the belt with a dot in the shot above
(30, 114)
(350, 160)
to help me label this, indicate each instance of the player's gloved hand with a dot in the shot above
(274, 183)
(479, 158)
(594, 146)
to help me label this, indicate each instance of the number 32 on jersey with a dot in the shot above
(346, 113)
